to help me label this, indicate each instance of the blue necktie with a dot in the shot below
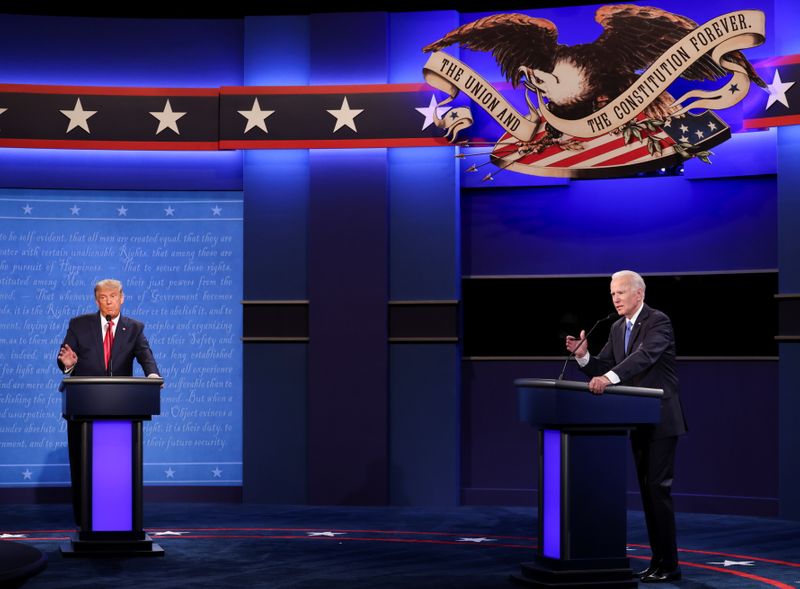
(628, 329)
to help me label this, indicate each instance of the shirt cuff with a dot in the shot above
(582, 361)
(612, 376)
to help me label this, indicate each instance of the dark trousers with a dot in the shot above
(655, 465)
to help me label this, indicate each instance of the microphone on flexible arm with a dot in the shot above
(608, 317)
(110, 356)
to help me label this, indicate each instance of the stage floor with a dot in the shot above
(244, 546)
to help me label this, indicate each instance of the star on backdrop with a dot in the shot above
(75, 210)
(256, 117)
(27, 209)
(170, 473)
(777, 90)
(216, 210)
(26, 474)
(167, 119)
(217, 472)
(122, 211)
(345, 116)
(429, 110)
(476, 540)
(169, 211)
(78, 117)
(325, 534)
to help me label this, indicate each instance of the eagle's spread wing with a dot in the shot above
(514, 40)
(637, 35)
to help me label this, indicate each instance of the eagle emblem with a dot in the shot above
(583, 96)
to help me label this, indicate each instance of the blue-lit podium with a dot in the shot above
(583, 445)
(110, 412)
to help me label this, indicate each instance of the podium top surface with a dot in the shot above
(574, 385)
(558, 404)
(70, 380)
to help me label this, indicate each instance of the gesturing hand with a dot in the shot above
(578, 346)
(67, 357)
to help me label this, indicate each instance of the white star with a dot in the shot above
(169, 533)
(777, 91)
(712, 126)
(169, 211)
(122, 211)
(27, 209)
(26, 474)
(326, 534)
(727, 563)
(668, 122)
(78, 117)
(256, 117)
(75, 210)
(345, 116)
(216, 210)
(170, 473)
(5, 536)
(699, 134)
(478, 540)
(429, 110)
(217, 473)
(684, 129)
(684, 139)
(168, 119)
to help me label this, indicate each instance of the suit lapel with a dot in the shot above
(619, 339)
(637, 327)
(121, 336)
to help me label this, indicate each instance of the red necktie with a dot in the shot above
(108, 341)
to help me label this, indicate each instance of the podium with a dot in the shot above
(583, 445)
(109, 412)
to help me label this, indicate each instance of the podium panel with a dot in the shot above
(109, 412)
(583, 444)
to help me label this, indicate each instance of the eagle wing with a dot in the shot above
(513, 39)
(638, 35)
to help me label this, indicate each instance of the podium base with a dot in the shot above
(111, 548)
(538, 574)
(19, 562)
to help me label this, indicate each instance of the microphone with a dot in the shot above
(608, 317)
(110, 357)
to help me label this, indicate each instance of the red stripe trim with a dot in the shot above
(750, 576)
(772, 122)
(352, 89)
(335, 143)
(107, 90)
(131, 145)
(779, 60)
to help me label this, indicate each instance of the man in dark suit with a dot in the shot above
(101, 344)
(641, 352)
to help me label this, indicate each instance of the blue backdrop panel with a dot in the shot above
(170, 53)
(121, 170)
(179, 257)
(362, 60)
(275, 229)
(276, 51)
(425, 423)
(651, 224)
(409, 32)
(274, 423)
(424, 224)
(348, 292)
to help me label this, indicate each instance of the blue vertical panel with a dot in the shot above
(112, 476)
(276, 191)
(348, 48)
(274, 423)
(276, 212)
(347, 286)
(425, 414)
(551, 493)
(424, 210)
(424, 425)
(787, 13)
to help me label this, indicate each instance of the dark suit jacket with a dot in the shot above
(85, 338)
(649, 363)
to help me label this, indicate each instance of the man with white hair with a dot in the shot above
(101, 344)
(641, 352)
